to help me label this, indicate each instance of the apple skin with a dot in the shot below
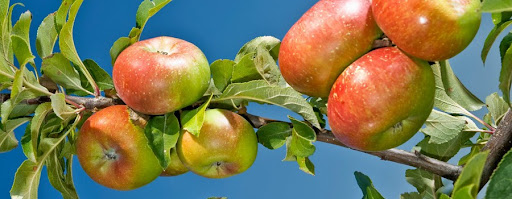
(381, 100)
(226, 146)
(161, 75)
(175, 167)
(429, 30)
(114, 152)
(324, 41)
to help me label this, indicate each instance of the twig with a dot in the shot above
(499, 144)
(435, 166)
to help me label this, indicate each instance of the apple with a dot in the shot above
(161, 75)
(226, 145)
(114, 151)
(429, 30)
(175, 167)
(381, 100)
(324, 41)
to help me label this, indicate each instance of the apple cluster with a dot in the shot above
(377, 98)
(154, 77)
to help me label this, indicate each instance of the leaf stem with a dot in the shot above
(479, 130)
(481, 122)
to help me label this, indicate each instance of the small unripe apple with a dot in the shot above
(324, 41)
(381, 100)
(114, 151)
(429, 30)
(226, 145)
(161, 75)
(175, 167)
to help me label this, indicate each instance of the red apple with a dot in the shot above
(114, 151)
(175, 167)
(381, 100)
(161, 75)
(226, 146)
(325, 40)
(429, 30)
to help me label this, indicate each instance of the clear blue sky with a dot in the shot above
(220, 28)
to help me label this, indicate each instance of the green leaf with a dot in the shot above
(267, 67)
(270, 44)
(26, 181)
(35, 126)
(26, 144)
(303, 130)
(496, 6)
(491, 38)
(301, 147)
(99, 75)
(425, 182)
(46, 36)
(162, 133)
(366, 185)
(61, 14)
(61, 109)
(17, 84)
(464, 193)
(20, 39)
(192, 121)
(501, 17)
(442, 127)
(506, 71)
(274, 135)
(442, 100)
(497, 106)
(118, 46)
(306, 165)
(259, 91)
(475, 149)
(245, 70)
(57, 173)
(456, 90)
(22, 110)
(470, 176)
(7, 141)
(499, 184)
(505, 44)
(146, 10)
(59, 69)
(8, 106)
(447, 150)
(6, 28)
(67, 45)
(222, 71)
(289, 155)
(28, 175)
(411, 195)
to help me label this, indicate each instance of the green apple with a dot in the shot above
(324, 41)
(161, 75)
(175, 167)
(381, 100)
(114, 151)
(226, 146)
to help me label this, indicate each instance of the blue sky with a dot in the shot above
(220, 28)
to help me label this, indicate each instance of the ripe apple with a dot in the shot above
(429, 30)
(176, 167)
(325, 40)
(161, 75)
(226, 145)
(381, 100)
(114, 151)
